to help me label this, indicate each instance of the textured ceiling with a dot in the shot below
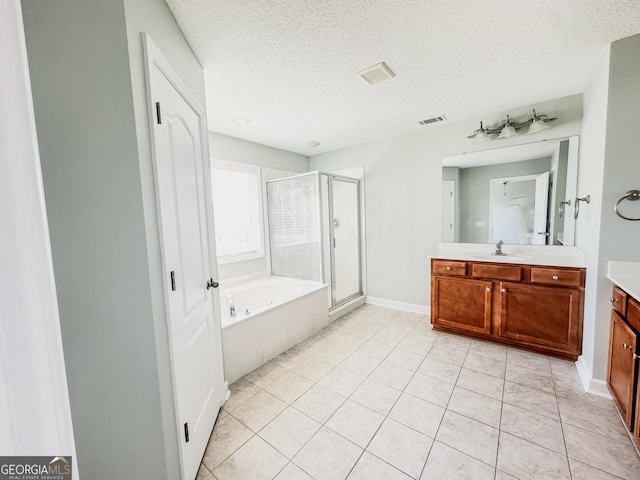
(290, 65)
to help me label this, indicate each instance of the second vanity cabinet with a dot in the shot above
(624, 352)
(529, 306)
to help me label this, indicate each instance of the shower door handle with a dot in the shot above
(334, 242)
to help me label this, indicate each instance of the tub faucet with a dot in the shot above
(232, 307)
(499, 251)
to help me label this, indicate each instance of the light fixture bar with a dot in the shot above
(509, 127)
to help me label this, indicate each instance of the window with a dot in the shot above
(293, 211)
(237, 211)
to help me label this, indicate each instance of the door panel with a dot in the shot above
(346, 246)
(187, 250)
(462, 303)
(621, 369)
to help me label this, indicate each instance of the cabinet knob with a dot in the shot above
(503, 290)
(555, 277)
(488, 289)
(613, 300)
(625, 346)
(636, 356)
(448, 268)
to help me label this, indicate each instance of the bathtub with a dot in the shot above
(272, 315)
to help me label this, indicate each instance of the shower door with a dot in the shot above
(345, 241)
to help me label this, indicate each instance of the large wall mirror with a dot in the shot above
(521, 194)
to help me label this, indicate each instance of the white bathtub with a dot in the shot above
(282, 312)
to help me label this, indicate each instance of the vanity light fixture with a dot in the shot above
(509, 127)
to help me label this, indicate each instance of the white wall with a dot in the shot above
(403, 193)
(234, 149)
(35, 415)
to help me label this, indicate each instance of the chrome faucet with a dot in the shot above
(499, 251)
(232, 307)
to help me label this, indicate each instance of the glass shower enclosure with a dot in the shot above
(314, 231)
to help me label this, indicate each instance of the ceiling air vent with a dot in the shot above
(376, 74)
(440, 118)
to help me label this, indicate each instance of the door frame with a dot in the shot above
(154, 58)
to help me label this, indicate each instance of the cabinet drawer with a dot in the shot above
(449, 267)
(556, 276)
(633, 314)
(619, 301)
(500, 272)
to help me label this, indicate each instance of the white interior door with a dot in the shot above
(540, 210)
(448, 212)
(187, 249)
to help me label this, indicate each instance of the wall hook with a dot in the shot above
(577, 207)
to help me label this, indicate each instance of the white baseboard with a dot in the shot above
(407, 307)
(591, 385)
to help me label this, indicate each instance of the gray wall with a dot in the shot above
(403, 192)
(223, 147)
(474, 194)
(85, 58)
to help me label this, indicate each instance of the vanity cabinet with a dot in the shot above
(534, 307)
(624, 348)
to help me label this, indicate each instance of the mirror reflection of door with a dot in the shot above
(448, 211)
(518, 209)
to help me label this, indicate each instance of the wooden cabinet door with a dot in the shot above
(621, 371)
(461, 303)
(541, 316)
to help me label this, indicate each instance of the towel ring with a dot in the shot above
(631, 195)
(576, 212)
(563, 206)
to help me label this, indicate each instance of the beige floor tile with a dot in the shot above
(576, 392)
(259, 410)
(500, 475)
(482, 364)
(602, 421)
(418, 414)
(314, 368)
(603, 453)
(430, 389)
(292, 472)
(528, 461)
(530, 378)
(355, 423)
(539, 429)
(375, 350)
(448, 354)
(289, 431)
(531, 399)
(360, 363)
(370, 467)
(391, 375)
(289, 387)
(289, 359)
(402, 358)
(228, 435)
(580, 471)
(241, 391)
(265, 374)
(488, 349)
(446, 463)
(455, 341)
(256, 460)
(319, 403)
(441, 370)
(328, 456)
(334, 353)
(415, 345)
(469, 436)
(401, 447)
(533, 361)
(389, 337)
(376, 396)
(476, 406)
(481, 383)
(203, 472)
(342, 381)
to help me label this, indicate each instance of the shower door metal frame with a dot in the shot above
(356, 181)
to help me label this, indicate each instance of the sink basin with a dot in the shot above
(490, 257)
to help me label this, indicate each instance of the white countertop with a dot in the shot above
(547, 255)
(626, 275)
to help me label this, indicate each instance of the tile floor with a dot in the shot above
(379, 395)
